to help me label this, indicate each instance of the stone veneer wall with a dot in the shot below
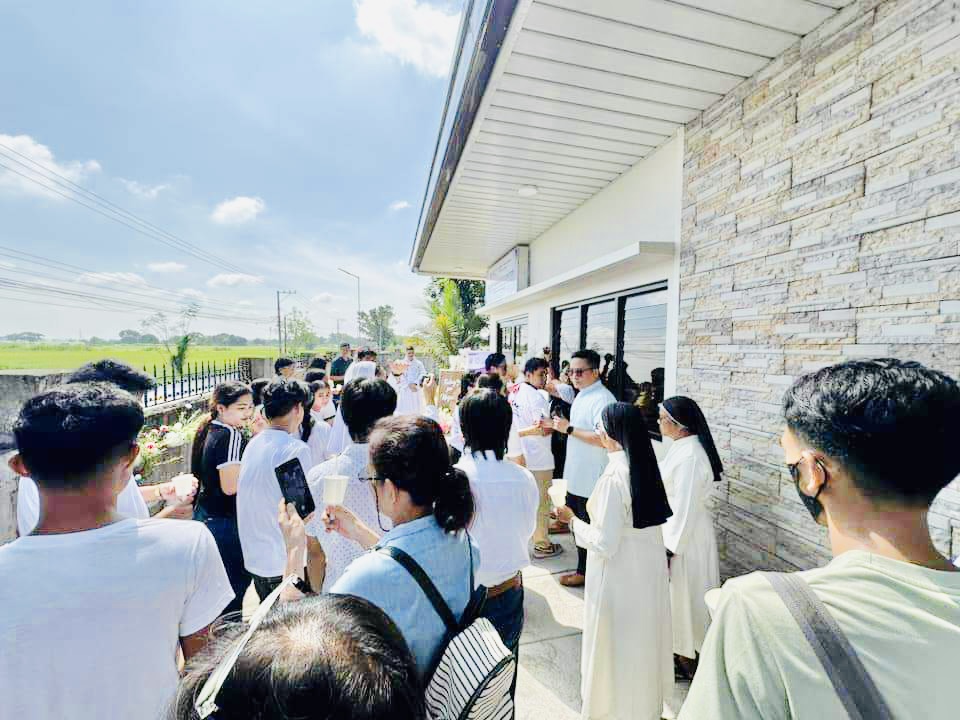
(821, 222)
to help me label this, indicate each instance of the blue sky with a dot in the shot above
(287, 137)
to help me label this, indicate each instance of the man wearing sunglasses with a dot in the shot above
(586, 457)
(868, 445)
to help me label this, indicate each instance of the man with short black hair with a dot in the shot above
(132, 499)
(95, 604)
(496, 363)
(531, 408)
(285, 367)
(868, 444)
(338, 368)
(586, 456)
(258, 491)
(363, 403)
(409, 400)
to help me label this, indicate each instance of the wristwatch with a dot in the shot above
(569, 429)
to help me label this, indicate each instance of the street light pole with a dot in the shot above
(357, 278)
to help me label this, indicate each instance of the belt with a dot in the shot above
(514, 582)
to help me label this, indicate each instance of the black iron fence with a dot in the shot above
(193, 380)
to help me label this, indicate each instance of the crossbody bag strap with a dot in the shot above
(853, 685)
(429, 589)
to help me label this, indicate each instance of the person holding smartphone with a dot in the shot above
(259, 490)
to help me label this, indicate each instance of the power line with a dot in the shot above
(103, 207)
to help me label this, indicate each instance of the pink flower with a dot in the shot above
(151, 446)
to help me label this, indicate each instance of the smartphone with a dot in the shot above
(424, 378)
(293, 485)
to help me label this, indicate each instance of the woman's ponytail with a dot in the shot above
(454, 505)
(412, 453)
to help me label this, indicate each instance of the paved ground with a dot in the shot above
(549, 681)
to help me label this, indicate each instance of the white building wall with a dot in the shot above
(643, 205)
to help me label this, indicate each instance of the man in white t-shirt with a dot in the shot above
(531, 406)
(95, 605)
(868, 444)
(132, 500)
(258, 490)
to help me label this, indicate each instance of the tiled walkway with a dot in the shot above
(549, 683)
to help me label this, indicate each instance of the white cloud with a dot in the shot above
(245, 303)
(416, 33)
(112, 278)
(233, 279)
(238, 210)
(399, 205)
(166, 267)
(17, 153)
(5, 265)
(193, 294)
(148, 192)
(323, 298)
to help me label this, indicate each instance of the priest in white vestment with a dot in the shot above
(627, 662)
(689, 471)
(409, 401)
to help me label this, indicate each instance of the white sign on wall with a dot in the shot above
(508, 275)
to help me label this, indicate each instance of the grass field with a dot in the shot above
(28, 356)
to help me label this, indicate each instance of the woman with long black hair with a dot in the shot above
(626, 664)
(689, 470)
(215, 462)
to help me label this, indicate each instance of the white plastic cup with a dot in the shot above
(558, 492)
(334, 489)
(183, 485)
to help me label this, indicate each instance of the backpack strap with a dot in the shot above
(425, 583)
(853, 685)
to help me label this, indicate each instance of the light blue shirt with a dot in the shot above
(585, 463)
(384, 582)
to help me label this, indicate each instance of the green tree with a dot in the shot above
(453, 323)
(377, 324)
(299, 332)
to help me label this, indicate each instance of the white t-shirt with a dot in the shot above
(327, 412)
(258, 496)
(91, 620)
(319, 438)
(530, 405)
(129, 502)
(506, 498)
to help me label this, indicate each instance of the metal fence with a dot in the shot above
(194, 380)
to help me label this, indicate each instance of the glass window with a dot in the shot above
(512, 341)
(629, 332)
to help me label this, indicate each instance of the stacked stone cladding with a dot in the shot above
(821, 222)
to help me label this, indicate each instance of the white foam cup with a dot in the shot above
(558, 492)
(334, 488)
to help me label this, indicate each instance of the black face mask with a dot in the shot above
(812, 504)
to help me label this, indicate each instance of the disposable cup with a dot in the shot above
(183, 484)
(558, 492)
(334, 488)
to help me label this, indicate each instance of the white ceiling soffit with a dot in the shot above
(582, 90)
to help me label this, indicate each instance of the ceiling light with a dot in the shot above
(528, 191)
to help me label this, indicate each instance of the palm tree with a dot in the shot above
(451, 326)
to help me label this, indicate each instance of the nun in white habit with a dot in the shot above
(627, 662)
(339, 435)
(689, 470)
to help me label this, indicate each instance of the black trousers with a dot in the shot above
(579, 506)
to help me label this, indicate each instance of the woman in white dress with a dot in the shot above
(626, 665)
(689, 470)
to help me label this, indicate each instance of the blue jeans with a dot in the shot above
(506, 613)
(227, 537)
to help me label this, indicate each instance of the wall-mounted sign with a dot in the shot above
(508, 275)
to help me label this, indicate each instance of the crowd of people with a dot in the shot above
(405, 538)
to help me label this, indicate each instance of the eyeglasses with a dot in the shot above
(206, 701)
(577, 372)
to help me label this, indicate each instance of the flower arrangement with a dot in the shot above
(157, 442)
(445, 419)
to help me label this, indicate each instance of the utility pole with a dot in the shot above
(357, 278)
(279, 320)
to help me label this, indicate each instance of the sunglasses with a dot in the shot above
(577, 372)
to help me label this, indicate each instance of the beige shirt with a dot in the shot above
(903, 620)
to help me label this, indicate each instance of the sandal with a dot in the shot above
(544, 552)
